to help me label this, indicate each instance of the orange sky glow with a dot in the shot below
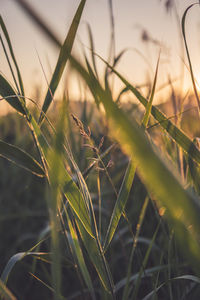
(131, 18)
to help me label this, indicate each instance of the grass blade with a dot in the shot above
(149, 105)
(7, 90)
(92, 49)
(183, 277)
(182, 208)
(188, 54)
(97, 257)
(21, 158)
(62, 60)
(70, 189)
(120, 203)
(138, 229)
(76, 249)
(144, 263)
(174, 132)
(13, 260)
(56, 174)
(12, 55)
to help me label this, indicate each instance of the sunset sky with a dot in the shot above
(131, 18)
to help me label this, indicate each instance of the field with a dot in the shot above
(99, 199)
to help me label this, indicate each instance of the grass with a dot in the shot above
(117, 218)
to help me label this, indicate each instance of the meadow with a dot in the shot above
(99, 200)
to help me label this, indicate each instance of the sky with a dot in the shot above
(131, 18)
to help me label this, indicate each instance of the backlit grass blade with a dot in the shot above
(174, 132)
(120, 203)
(188, 54)
(149, 104)
(12, 55)
(182, 208)
(21, 158)
(129, 176)
(76, 250)
(5, 293)
(62, 60)
(7, 90)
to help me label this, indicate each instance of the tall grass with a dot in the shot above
(125, 232)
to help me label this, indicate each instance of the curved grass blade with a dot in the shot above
(174, 132)
(13, 260)
(182, 208)
(183, 277)
(7, 90)
(21, 158)
(13, 56)
(62, 60)
(188, 54)
(120, 203)
(5, 293)
(148, 272)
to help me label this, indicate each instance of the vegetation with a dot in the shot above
(103, 204)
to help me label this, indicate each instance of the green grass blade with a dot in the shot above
(149, 104)
(70, 189)
(62, 60)
(174, 132)
(5, 293)
(13, 100)
(92, 49)
(120, 203)
(182, 208)
(138, 229)
(188, 54)
(97, 257)
(144, 263)
(76, 249)
(92, 74)
(148, 272)
(12, 55)
(183, 277)
(21, 158)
